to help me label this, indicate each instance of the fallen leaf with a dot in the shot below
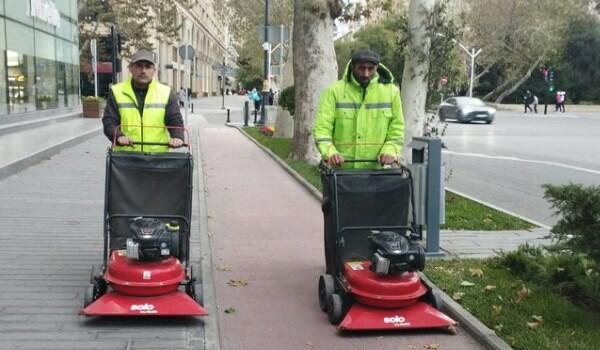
(237, 283)
(467, 284)
(489, 288)
(229, 310)
(458, 296)
(496, 309)
(498, 327)
(432, 347)
(310, 344)
(224, 268)
(476, 272)
(500, 298)
(533, 325)
(537, 318)
(522, 294)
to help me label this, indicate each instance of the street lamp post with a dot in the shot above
(472, 53)
(223, 84)
(266, 48)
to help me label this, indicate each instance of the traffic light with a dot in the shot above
(551, 80)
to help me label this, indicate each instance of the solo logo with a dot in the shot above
(143, 308)
(395, 319)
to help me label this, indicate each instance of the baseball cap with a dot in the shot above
(365, 55)
(143, 55)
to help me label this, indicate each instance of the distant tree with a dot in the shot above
(136, 20)
(517, 36)
(246, 19)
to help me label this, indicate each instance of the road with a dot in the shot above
(507, 162)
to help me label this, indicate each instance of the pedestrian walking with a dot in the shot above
(527, 100)
(255, 96)
(561, 101)
(182, 96)
(136, 99)
(271, 97)
(535, 103)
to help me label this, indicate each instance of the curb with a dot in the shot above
(16, 127)
(472, 325)
(211, 324)
(34, 158)
(476, 328)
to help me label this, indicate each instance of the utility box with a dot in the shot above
(429, 189)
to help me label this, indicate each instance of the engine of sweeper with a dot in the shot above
(394, 253)
(152, 239)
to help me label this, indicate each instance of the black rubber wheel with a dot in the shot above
(434, 300)
(95, 272)
(195, 272)
(198, 293)
(90, 295)
(489, 121)
(442, 117)
(326, 288)
(421, 257)
(334, 308)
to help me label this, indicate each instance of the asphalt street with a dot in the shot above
(506, 163)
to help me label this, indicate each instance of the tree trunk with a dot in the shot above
(495, 91)
(416, 70)
(520, 82)
(315, 68)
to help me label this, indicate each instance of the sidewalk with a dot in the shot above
(266, 240)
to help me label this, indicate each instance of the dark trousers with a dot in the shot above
(528, 107)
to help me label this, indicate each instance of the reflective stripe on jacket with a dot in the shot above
(360, 123)
(152, 120)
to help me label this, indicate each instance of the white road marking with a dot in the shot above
(543, 162)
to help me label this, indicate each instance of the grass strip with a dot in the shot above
(526, 315)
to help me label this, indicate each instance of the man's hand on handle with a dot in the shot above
(336, 159)
(175, 142)
(386, 159)
(124, 141)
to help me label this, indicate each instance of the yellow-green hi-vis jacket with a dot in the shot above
(360, 123)
(152, 121)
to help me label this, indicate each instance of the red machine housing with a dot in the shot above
(388, 302)
(144, 288)
(143, 278)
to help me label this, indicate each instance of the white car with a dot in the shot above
(466, 110)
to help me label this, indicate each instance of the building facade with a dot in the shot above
(206, 32)
(39, 56)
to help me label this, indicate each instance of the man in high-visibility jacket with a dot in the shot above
(360, 116)
(138, 109)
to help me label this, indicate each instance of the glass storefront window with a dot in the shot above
(45, 70)
(19, 10)
(20, 74)
(3, 104)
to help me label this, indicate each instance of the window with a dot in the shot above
(19, 10)
(20, 67)
(45, 70)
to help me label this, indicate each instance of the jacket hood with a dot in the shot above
(384, 74)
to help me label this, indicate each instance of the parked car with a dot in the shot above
(466, 110)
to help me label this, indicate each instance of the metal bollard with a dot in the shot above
(246, 113)
(228, 116)
(192, 105)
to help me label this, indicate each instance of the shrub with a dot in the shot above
(579, 210)
(91, 99)
(287, 99)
